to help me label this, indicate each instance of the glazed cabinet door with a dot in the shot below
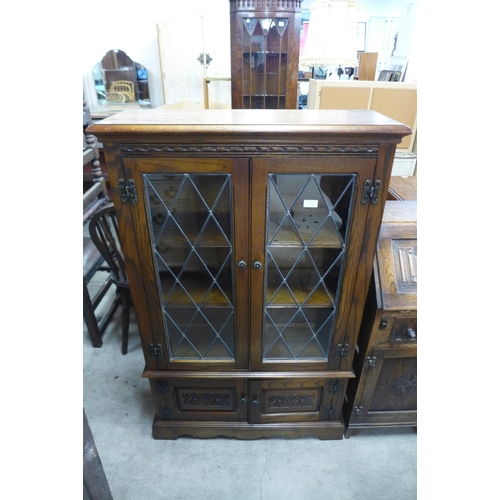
(265, 39)
(191, 220)
(308, 221)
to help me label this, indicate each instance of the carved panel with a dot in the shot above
(291, 401)
(247, 5)
(206, 399)
(396, 386)
(405, 256)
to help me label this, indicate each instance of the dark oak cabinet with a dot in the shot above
(384, 392)
(265, 43)
(249, 238)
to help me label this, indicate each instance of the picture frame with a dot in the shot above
(385, 75)
(399, 63)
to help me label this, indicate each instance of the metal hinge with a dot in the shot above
(330, 412)
(358, 410)
(334, 386)
(383, 323)
(342, 350)
(371, 191)
(162, 386)
(128, 191)
(166, 411)
(370, 362)
(155, 351)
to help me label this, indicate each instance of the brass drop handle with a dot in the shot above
(411, 333)
(257, 264)
(243, 401)
(255, 402)
(242, 264)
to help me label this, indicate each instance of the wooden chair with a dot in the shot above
(93, 199)
(103, 230)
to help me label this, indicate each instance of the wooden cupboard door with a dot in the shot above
(191, 220)
(295, 400)
(388, 388)
(308, 222)
(200, 400)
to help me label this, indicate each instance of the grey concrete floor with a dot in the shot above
(378, 464)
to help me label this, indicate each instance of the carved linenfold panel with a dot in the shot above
(368, 150)
(405, 254)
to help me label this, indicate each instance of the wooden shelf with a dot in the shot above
(320, 298)
(289, 238)
(209, 239)
(196, 285)
(297, 338)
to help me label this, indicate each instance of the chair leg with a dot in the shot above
(90, 319)
(125, 293)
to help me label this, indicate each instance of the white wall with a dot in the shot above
(133, 30)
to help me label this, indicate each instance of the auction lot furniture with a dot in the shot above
(249, 238)
(384, 392)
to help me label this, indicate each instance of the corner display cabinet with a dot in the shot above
(265, 42)
(249, 238)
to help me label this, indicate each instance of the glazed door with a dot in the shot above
(307, 227)
(192, 217)
(265, 50)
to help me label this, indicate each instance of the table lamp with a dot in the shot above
(331, 37)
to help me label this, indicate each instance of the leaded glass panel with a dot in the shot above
(308, 221)
(191, 227)
(265, 46)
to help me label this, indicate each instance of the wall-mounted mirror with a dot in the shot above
(121, 82)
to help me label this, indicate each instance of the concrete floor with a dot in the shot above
(376, 464)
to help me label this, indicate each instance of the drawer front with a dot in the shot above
(295, 400)
(221, 400)
(404, 330)
(396, 328)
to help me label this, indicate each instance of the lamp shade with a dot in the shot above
(331, 37)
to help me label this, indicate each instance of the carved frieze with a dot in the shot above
(236, 5)
(367, 150)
